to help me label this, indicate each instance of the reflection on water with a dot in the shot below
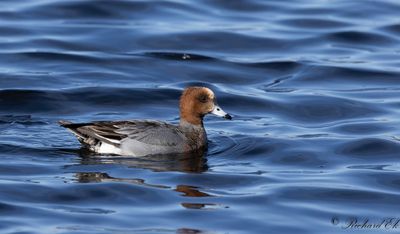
(194, 162)
(184, 190)
(191, 191)
(97, 177)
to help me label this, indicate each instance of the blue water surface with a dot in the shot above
(313, 85)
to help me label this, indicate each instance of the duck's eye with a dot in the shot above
(203, 99)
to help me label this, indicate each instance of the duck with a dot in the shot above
(150, 137)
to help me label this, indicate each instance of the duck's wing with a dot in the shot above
(114, 132)
(94, 132)
(152, 133)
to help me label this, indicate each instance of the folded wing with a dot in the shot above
(115, 132)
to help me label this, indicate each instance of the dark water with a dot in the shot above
(313, 85)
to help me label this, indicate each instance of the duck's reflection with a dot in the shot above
(184, 190)
(190, 191)
(189, 163)
(190, 231)
(96, 177)
(193, 162)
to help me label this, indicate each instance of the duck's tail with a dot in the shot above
(87, 134)
(72, 127)
(64, 123)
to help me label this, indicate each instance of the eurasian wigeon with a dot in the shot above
(146, 137)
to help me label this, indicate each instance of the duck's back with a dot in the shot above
(152, 137)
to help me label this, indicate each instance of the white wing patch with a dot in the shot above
(105, 148)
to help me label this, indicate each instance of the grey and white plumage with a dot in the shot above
(137, 137)
(146, 137)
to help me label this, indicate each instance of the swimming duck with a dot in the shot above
(146, 137)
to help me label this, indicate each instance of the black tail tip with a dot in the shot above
(64, 122)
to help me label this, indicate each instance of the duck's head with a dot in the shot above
(196, 102)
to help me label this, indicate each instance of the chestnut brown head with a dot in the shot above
(196, 102)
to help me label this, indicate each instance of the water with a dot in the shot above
(313, 87)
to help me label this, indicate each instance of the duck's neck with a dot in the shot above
(188, 116)
(195, 133)
(190, 126)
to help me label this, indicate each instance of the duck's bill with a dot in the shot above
(219, 112)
